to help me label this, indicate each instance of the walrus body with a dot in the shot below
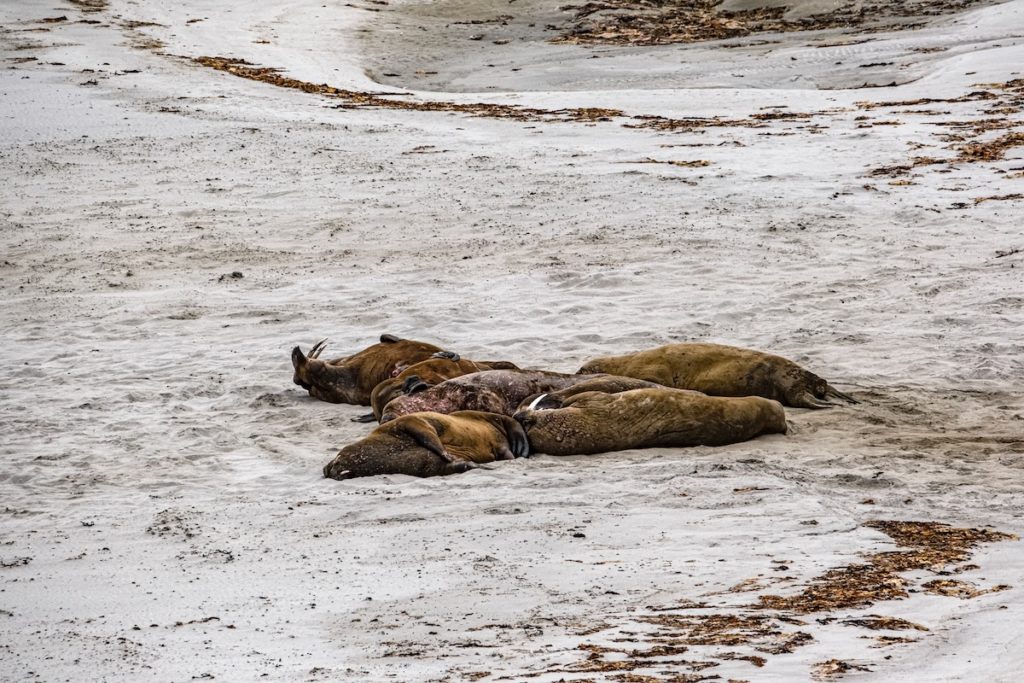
(351, 379)
(593, 422)
(431, 444)
(431, 371)
(605, 384)
(719, 370)
(492, 391)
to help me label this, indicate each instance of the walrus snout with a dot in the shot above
(299, 365)
(336, 470)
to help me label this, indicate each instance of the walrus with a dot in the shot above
(350, 379)
(719, 370)
(595, 422)
(442, 366)
(492, 391)
(431, 444)
(605, 384)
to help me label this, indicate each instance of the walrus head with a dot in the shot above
(331, 383)
(300, 363)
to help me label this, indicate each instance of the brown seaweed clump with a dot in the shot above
(355, 98)
(931, 546)
(663, 22)
(756, 632)
(834, 668)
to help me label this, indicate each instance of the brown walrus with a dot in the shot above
(431, 444)
(351, 379)
(441, 367)
(594, 422)
(492, 391)
(719, 370)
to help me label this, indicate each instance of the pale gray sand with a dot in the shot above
(163, 512)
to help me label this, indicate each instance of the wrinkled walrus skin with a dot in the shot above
(492, 391)
(432, 371)
(719, 370)
(430, 445)
(351, 379)
(596, 422)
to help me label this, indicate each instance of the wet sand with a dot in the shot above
(473, 46)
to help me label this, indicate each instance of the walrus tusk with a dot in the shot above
(317, 349)
(535, 401)
(833, 392)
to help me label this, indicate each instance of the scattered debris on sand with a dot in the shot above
(776, 625)
(354, 98)
(834, 668)
(932, 546)
(663, 22)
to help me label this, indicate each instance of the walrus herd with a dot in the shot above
(442, 414)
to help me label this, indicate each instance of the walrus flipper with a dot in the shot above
(517, 441)
(369, 417)
(427, 437)
(388, 339)
(448, 355)
(807, 400)
(832, 392)
(413, 385)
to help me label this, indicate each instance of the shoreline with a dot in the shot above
(466, 46)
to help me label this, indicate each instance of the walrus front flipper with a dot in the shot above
(388, 339)
(426, 435)
(832, 392)
(517, 441)
(448, 355)
(369, 417)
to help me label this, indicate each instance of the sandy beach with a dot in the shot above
(190, 191)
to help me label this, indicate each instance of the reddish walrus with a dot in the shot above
(594, 422)
(351, 379)
(431, 444)
(443, 366)
(492, 391)
(719, 370)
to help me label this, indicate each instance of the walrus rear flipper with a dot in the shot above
(369, 417)
(460, 466)
(832, 392)
(806, 400)
(448, 355)
(413, 385)
(388, 339)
